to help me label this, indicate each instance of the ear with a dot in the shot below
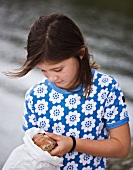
(81, 53)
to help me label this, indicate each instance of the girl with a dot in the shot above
(82, 109)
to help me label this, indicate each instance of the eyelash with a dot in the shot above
(43, 71)
(54, 70)
(58, 70)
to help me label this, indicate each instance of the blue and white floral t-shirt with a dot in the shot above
(69, 113)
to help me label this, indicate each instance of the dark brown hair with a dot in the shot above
(54, 38)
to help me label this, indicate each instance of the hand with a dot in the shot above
(64, 144)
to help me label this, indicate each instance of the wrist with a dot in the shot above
(74, 144)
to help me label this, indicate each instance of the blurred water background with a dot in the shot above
(108, 27)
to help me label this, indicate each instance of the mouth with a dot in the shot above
(58, 82)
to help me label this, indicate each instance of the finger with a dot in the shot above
(55, 152)
(53, 136)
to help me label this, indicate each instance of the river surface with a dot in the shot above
(109, 33)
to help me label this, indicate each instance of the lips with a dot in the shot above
(58, 82)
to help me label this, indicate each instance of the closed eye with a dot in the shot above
(43, 71)
(54, 69)
(57, 70)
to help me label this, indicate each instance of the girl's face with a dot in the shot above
(63, 74)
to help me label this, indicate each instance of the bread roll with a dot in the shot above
(44, 142)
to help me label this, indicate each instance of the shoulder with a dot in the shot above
(104, 80)
(40, 85)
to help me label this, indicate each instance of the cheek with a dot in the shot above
(70, 74)
(44, 73)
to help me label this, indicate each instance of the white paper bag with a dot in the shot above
(29, 156)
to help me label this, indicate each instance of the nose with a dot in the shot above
(52, 78)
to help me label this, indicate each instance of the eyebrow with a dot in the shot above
(52, 68)
(56, 68)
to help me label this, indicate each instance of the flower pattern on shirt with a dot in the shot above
(55, 97)
(43, 123)
(56, 112)
(111, 113)
(30, 102)
(69, 113)
(89, 136)
(85, 159)
(99, 128)
(71, 155)
(72, 118)
(123, 114)
(89, 107)
(32, 119)
(58, 128)
(88, 124)
(121, 99)
(72, 101)
(73, 132)
(93, 91)
(40, 90)
(104, 80)
(41, 107)
(111, 99)
(71, 166)
(102, 95)
(100, 112)
(97, 161)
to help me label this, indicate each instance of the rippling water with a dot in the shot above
(109, 34)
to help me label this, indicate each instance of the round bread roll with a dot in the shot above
(44, 142)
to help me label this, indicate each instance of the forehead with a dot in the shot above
(49, 65)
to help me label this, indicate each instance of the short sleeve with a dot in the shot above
(115, 112)
(29, 119)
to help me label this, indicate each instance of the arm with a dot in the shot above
(117, 146)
